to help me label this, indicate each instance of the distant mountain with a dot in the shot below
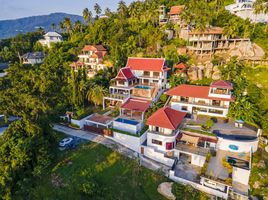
(9, 28)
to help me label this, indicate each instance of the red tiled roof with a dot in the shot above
(222, 84)
(193, 91)
(94, 48)
(208, 31)
(181, 66)
(147, 64)
(166, 117)
(176, 10)
(136, 104)
(125, 73)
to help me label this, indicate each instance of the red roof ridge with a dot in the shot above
(164, 109)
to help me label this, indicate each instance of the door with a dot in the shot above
(142, 150)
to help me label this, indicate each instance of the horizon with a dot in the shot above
(22, 9)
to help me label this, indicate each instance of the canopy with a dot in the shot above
(190, 139)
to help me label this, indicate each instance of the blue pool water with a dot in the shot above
(126, 121)
(143, 87)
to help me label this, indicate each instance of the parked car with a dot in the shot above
(66, 142)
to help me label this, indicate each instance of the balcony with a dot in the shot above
(172, 134)
(121, 97)
(200, 104)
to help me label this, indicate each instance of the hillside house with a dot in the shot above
(90, 59)
(213, 100)
(142, 78)
(33, 58)
(50, 38)
(245, 9)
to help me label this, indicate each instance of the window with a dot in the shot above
(169, 145)
(184, 108)
(216, 111)
(156, 142)
(185, 99)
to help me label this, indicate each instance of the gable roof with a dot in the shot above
(35, 55)
(147, 64)
(180, 66)
(195, 91)
(136, 104)
(94, 48)
(176, 10)
(3, 66)
(52, 34)
(222, 84)
(166, 117)
(125, 73)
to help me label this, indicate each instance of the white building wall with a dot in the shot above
(163, 139)
(157, 156)
(80, 122)
(178, 106)
(241, 175)
(131, 142)
(127, 127)
(195, 159)
(243, 146)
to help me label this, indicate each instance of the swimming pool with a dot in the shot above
(143, 87)
(126, 121)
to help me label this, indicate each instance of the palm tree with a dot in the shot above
(62, 27)
(122, 9)
(87, 15)
(98, 10)
(78, 26)
(108, 12)
(53, 27)
(231, 28)
(67, 24)
(96, 94)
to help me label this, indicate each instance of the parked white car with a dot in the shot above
(65, 142)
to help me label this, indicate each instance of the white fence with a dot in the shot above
(197, 186)
(80, 122)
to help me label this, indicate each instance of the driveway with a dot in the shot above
(148, 163)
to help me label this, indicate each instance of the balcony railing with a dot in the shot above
(172, 134)
(199, 103)
(118, 96)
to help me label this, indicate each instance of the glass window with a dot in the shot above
(184, 108)
(156, 142)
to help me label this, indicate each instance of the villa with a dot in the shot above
(245, 9)
(213, 100)
(173, 16)
(142, 78)
(33, 58)
(90, 59)
(164, 127)
(50, 38)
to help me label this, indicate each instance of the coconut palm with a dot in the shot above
(78, 26)
(98, 10)
(67, 24)
(96, 94)
(53, 27)
(87, 15)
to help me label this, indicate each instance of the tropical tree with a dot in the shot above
(78, 26)
(96, 94)
(122, 9)
(67, 24)
(97, 9)
(53, 27)
(87, 15)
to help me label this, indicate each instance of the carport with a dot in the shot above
(98, 123)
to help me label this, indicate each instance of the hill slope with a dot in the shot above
(9, 28)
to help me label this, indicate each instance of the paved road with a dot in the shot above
(148, 163)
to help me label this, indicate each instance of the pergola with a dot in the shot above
(135, 108)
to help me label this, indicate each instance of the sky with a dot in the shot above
(13, 9)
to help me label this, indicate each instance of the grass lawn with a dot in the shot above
(117, 177)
